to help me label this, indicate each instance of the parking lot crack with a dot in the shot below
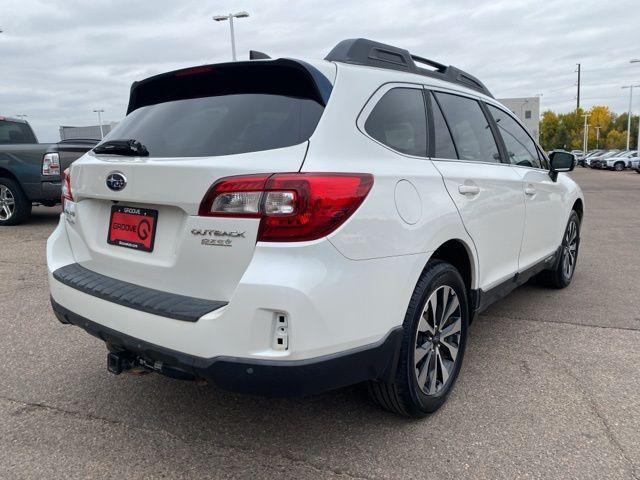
(561, 322)
(608, 431)
(23, 407)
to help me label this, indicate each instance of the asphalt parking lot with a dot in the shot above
(550, 387)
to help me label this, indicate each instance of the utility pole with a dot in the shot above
(230, 17)
(578, 97)
(585, 140)
(630, 87)
(100, 111)
(597, 127)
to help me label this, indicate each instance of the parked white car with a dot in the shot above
(289, 227)
(619, 161)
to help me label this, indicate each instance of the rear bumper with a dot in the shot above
(267, 377)
(331, 304)
(45, 191)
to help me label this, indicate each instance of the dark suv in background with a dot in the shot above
(30, 171)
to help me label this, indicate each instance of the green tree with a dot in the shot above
(566, 130)
(620, 124)
(616, 139)
(549, 130)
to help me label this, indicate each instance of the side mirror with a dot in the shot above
(560, 162)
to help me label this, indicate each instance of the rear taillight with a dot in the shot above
(292, 207)
(51, 164)
(67, 194)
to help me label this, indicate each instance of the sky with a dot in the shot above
(61, 59)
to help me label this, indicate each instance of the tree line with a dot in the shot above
(566, 130)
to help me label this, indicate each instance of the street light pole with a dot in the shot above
(597, 127)
(230, 17)
(637, 60)
(578, 97)
(100, 111)
(630, 87)
(586, 129)
(233, 39)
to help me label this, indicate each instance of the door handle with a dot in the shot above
(469, 189)
(530, 191)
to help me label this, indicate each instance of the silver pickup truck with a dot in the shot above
(30, 172)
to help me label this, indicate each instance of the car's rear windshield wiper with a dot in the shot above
(130, 148)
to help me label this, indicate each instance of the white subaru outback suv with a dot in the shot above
(289, 227)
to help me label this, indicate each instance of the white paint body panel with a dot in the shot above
(494, 217)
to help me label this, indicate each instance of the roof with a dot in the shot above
(12, 119)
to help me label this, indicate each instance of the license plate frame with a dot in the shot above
(137, 228)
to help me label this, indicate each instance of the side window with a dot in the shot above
(444, 147)
(469, 127)
(521, 149)
(399, 120)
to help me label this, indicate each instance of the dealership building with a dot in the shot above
(527, 109)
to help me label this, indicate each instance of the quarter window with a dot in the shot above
(521, 149)
(469, 127)
(399, 121)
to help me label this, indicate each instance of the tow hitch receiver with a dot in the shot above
(118, 363)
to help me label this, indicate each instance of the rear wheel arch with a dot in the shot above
(458, 253)
(4, 173)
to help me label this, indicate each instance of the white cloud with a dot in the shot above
(62, 58)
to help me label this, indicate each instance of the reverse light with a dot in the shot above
(292, 207)
(67, 194)
(51, 164)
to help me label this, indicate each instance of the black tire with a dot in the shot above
(558, 277)
(618, 167)
(15, 200)
(403, 395)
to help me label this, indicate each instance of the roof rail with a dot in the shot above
(360, 51)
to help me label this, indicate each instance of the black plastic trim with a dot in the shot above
(155, 302)
(247, 76)
(483, 299)
(361, 51)
(376, 361)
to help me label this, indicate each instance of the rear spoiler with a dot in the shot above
(279, 77)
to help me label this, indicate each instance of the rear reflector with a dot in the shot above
(292, 207)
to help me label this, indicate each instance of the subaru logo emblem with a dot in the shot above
(116, 181)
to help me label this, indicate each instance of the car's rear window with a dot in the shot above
(221, 125)
(15, 132)
(225, 109)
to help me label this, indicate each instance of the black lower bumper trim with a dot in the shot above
(170, 305)
(268, 377)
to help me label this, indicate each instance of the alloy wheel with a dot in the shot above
(570, 250)
(438, 340)
(7, 203)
